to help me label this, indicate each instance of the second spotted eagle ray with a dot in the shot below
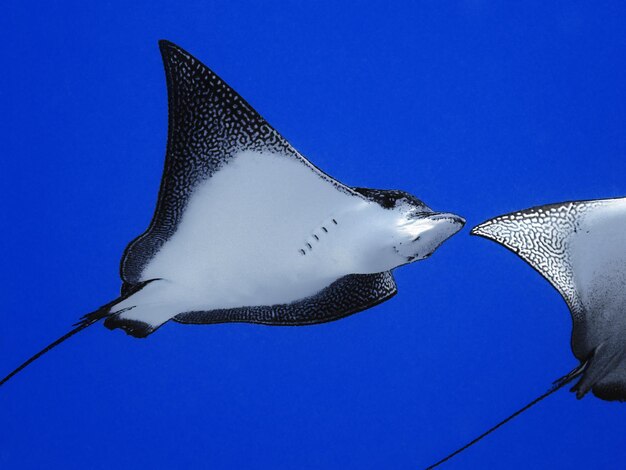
(246, 229)
(580, 248)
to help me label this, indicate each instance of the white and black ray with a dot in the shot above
(580, 248)
(248, 230)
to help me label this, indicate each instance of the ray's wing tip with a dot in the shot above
(482, 230)
(169, 49)
(475, 231)
(166, 44)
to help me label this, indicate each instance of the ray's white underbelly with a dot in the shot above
(283, 280)
(264, 230)
(231, 272)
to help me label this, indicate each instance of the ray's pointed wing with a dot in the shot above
(540, 236)
(580, 248)
(209, 123)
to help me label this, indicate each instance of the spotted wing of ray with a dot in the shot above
(209, 123)
(580, 248)
(349, 294)
(244, 225)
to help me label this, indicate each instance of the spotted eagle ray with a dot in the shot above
(580, 248)
(246, 229)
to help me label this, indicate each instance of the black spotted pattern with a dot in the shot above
(349, 294)
(209, 123)
(541, 237)
(389, 198)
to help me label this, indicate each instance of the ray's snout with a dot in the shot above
(445, 224)
(452, 221)
(438, 227)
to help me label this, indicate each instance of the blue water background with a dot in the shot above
(477, 107)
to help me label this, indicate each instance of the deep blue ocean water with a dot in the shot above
(477, 107)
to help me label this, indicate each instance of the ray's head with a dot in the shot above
(414, 231)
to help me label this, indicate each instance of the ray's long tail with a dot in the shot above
(556, 386)
(87, 320)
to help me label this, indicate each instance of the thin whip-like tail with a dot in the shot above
(556, 386)
(87, 320)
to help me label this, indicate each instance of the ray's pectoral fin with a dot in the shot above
(143, 312)
(347, 295)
